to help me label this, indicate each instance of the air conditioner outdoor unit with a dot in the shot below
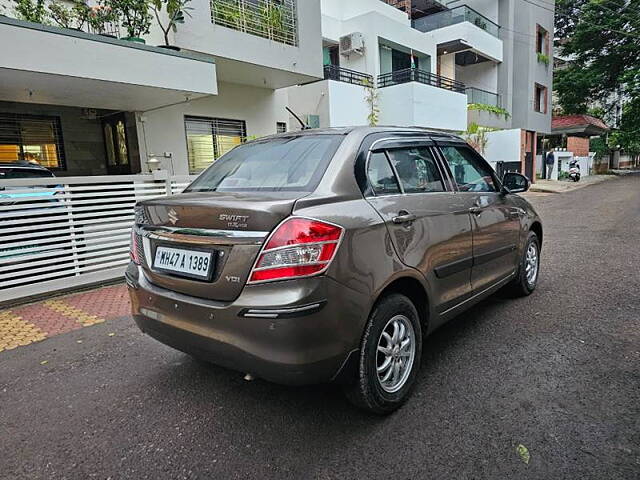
(352, 43)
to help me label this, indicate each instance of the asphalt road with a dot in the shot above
(557, 372)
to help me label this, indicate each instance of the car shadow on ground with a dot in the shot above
(325, 403)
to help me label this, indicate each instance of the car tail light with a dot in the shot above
(298, 247)
(133, 247)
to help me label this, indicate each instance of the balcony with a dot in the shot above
(267, 44)
(464, 32)
(59, 66)
(487, 117)
(416, 98)
(339, 74)
(272, 19)
(485, 97)
(455, 16)
(414, 75)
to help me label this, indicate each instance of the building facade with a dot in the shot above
(89, 101)
(84, 99)
(437, 65)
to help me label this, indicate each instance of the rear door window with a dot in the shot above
(277, 164)
(417, 170)
(381, 177)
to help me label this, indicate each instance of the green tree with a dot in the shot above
(601, 39)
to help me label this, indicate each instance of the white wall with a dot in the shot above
(38, 50)
(482, 75)
(503, 146)
(342, 94)
(479, 40)
(311, 99)
(345, 9)
(200, 34)
(416, 104)
(163, 129)
(338, 104)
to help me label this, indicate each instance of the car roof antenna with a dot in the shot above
(304, 125)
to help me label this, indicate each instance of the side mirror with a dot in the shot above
(513, 182)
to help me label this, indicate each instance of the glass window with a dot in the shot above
(34, 139)
(281, 127)
(417, 170)
(383, 180)
(278, 164)
(470, 173)
(540, 99)
(210, 138)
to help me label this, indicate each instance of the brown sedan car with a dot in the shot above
(328, 255)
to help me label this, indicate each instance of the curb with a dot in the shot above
(574, 186)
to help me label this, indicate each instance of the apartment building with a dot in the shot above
(442, 65)
(88, 101)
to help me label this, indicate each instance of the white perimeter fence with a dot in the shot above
(62, 233)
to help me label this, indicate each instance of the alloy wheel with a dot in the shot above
(395, 353)
(531, 264)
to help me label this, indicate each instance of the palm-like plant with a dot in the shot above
(176, 11)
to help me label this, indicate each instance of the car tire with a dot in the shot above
(524, 284)
(371, 391)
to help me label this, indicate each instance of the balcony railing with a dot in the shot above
(339, 74)
(477, 95)
(453, 16)
(414, 75)
(272, 19)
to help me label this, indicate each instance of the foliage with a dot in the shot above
(175, 9)
(134, 15)
(599, 146)
(61, 14)
(75, 16)
(601, 39)
(523, 453)
(265, 18)
(478, 22)
(499, 111)
(371, 96)
(229, 13)
(476, 136)
(31, 10)
(100, 16)
(542, 58)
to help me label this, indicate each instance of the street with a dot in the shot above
(556, 372)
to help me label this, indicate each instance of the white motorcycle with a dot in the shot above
(574, 170)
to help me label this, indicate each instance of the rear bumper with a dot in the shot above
(311, 345)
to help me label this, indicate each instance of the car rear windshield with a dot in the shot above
(277, 164)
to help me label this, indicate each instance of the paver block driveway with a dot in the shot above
(23, 325)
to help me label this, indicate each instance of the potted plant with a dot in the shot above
(100, 18)
(175, 12)
(134, 15)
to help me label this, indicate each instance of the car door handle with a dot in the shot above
(475, 210)
(403, 217)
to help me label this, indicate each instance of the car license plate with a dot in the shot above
(190, 263)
